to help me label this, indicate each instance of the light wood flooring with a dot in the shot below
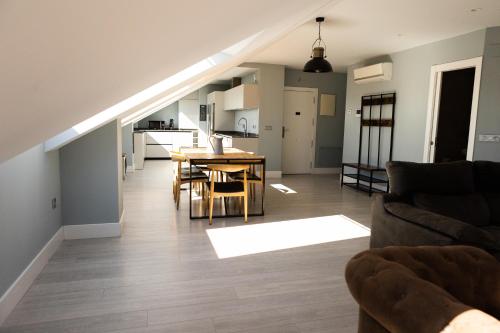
(163, 275)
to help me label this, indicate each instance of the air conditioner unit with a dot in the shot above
(373, 73)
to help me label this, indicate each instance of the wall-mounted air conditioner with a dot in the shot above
(377, 72)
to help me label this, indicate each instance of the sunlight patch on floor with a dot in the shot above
(265, 237)
(283, 189)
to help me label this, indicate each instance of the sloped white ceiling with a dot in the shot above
(62, 62)
(356, 30)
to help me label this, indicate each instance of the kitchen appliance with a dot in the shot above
(156, 124)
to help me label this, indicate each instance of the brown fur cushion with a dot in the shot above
(422, 289)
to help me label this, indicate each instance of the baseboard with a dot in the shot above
(16, 291)
(273, 174)
(325, 171)
(98, 230)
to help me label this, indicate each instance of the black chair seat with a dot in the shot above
(193, 169)
(240, 176)
(227, 187)
(194, 175)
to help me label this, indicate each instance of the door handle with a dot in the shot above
(283, 132)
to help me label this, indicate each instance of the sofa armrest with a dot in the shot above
(460, 231)
(402, 288)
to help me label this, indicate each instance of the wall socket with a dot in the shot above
(54, 203)
(489, 137)
(268, 127)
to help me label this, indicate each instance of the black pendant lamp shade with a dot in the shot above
(318, 63)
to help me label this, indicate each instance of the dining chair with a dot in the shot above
(229, 188)
(181, 176)
(253, 178)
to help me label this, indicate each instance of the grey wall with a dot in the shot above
(411, 71)
(169, 112)
(172, 111)
(488, 120)
(271, 79)
(28, 182)
(91, 177)
(329, 130)
(128, 142)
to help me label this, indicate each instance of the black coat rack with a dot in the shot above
(373, 123)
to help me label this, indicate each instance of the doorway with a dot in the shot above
(451, 118)
(299, 130)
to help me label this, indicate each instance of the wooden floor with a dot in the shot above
(163, 275)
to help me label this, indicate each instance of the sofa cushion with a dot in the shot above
(442, 178)
(487, 176)
(460, 232)
(469, 208)
(493, 200)
(493, 231)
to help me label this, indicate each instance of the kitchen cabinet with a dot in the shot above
(159, 144)
(242, 97)
(158, 138)
(158, 151)
(246, 144)
(139, 150)
(221, 120)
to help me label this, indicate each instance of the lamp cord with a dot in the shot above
(318, 40)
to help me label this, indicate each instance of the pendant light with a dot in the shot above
(318, 63)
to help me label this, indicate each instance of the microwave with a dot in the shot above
(156, 124)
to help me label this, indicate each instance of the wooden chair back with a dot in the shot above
(228, 167)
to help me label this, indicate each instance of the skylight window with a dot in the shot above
(155, 90)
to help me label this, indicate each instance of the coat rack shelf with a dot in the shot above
(376, 129)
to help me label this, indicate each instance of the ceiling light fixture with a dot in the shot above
(318, 63)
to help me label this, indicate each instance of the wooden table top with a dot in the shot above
(229, 154)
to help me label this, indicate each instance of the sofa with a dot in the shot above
(439, 204)
(426, 289)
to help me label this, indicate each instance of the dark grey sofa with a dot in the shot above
(439, 204)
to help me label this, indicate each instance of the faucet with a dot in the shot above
(245, 126)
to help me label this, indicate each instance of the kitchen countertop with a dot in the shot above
(236, 134)
(165, 130)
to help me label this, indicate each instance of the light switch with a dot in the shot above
(489, 137)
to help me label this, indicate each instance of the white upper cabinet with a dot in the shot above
(242, 97)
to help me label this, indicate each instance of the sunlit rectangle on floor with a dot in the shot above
(264, 237)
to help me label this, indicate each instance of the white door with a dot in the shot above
(298, 124)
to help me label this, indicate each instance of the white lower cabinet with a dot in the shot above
(158, 151)
(159, 144)
(246, 144)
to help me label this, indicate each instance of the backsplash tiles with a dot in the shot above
(252, 117)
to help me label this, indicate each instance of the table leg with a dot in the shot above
(263, 184)
(190, 192)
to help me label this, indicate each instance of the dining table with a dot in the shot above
(205, 156)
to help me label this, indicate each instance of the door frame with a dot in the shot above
(434, 101)
(314, 91)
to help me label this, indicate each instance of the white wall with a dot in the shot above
(271, 81)
(65, 61)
